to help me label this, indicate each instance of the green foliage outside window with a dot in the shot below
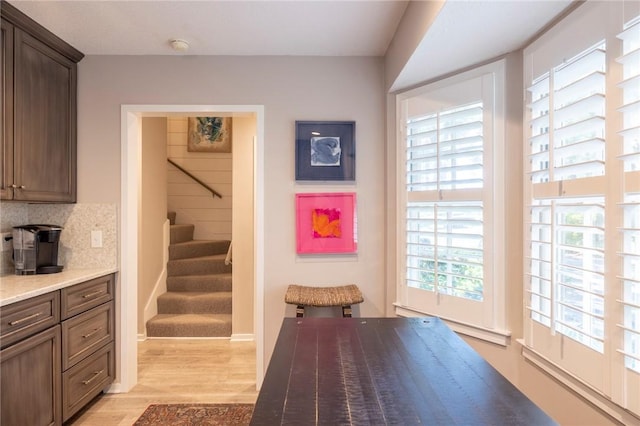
(455, 279)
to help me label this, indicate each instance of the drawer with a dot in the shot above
(85, 333)
(82, 297)
(22, 319)
(82, 382)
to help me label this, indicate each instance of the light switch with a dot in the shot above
(96, 238)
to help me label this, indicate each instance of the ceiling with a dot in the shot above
(464, 33)
(470, 32)
(215, 27)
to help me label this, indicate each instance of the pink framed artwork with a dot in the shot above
(326, 223)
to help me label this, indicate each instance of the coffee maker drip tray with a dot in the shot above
(49, 269)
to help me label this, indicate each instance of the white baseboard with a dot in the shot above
(187, 338)
(115, 388)
(243, 337)
(151, 307)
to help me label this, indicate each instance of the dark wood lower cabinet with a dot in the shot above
(57, 352)
(30, 381)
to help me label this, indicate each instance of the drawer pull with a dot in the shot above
(30, 317)
(96, 374)
(94, 294)
(86, 336)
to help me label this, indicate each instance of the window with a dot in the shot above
(582, 196)
(451, 199)
(629, 279)
(444, 239)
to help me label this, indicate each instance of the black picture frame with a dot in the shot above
(333, 155)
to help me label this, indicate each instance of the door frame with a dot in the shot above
(130, 167)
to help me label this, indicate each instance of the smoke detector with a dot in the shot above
(179, 45)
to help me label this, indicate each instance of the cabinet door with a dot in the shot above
(45, 117)
(30, 381)
(6, 110)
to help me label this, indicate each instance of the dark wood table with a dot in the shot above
(384, 371)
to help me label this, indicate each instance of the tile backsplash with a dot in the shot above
(77, 221)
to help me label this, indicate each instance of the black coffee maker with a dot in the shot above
(35, 249)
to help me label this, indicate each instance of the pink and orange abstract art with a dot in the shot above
(326, 223)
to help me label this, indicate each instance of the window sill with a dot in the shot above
(578, 387)
(499, 337)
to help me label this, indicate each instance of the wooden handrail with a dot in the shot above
(214, 193)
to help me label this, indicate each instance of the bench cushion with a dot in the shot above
(323, 296)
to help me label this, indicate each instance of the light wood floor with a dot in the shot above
(179, 371)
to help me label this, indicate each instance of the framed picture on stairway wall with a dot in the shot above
(325, 151)
(209, 134)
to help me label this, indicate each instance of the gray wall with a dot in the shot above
(290, 88)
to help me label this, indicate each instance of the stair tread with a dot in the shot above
(195, 295)
(190, 318)
(202, 265)
(180, 233)
(195, 242)
(196, 277)
(197, 248)
(172, 217)
(193, 283)
(189, 325)
(198, 258)
(212, 264)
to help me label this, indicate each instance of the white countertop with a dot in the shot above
(14, 288)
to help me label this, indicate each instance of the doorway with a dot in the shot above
(131, 133)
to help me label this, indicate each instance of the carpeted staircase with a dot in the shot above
(198, 298)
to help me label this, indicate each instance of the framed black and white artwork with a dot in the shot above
(325, 150)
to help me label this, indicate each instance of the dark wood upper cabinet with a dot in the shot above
(39, 108)
(6, 112)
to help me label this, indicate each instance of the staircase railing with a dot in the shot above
(214, 193)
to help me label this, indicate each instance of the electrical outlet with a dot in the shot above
(96, 238)
(7, 244)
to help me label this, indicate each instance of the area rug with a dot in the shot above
(196, 414)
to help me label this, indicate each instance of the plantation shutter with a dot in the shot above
(451, 253)
(444, 238)
(565, 254)
(582, 236)
(630, 277)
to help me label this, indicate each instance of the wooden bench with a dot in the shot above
(343, 296)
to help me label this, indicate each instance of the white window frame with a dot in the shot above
(599, 377)
(487, 319)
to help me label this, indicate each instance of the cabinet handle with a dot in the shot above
(14, 186)
(95, 293)
(96, 374)
(30, 317)
(86, 336)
